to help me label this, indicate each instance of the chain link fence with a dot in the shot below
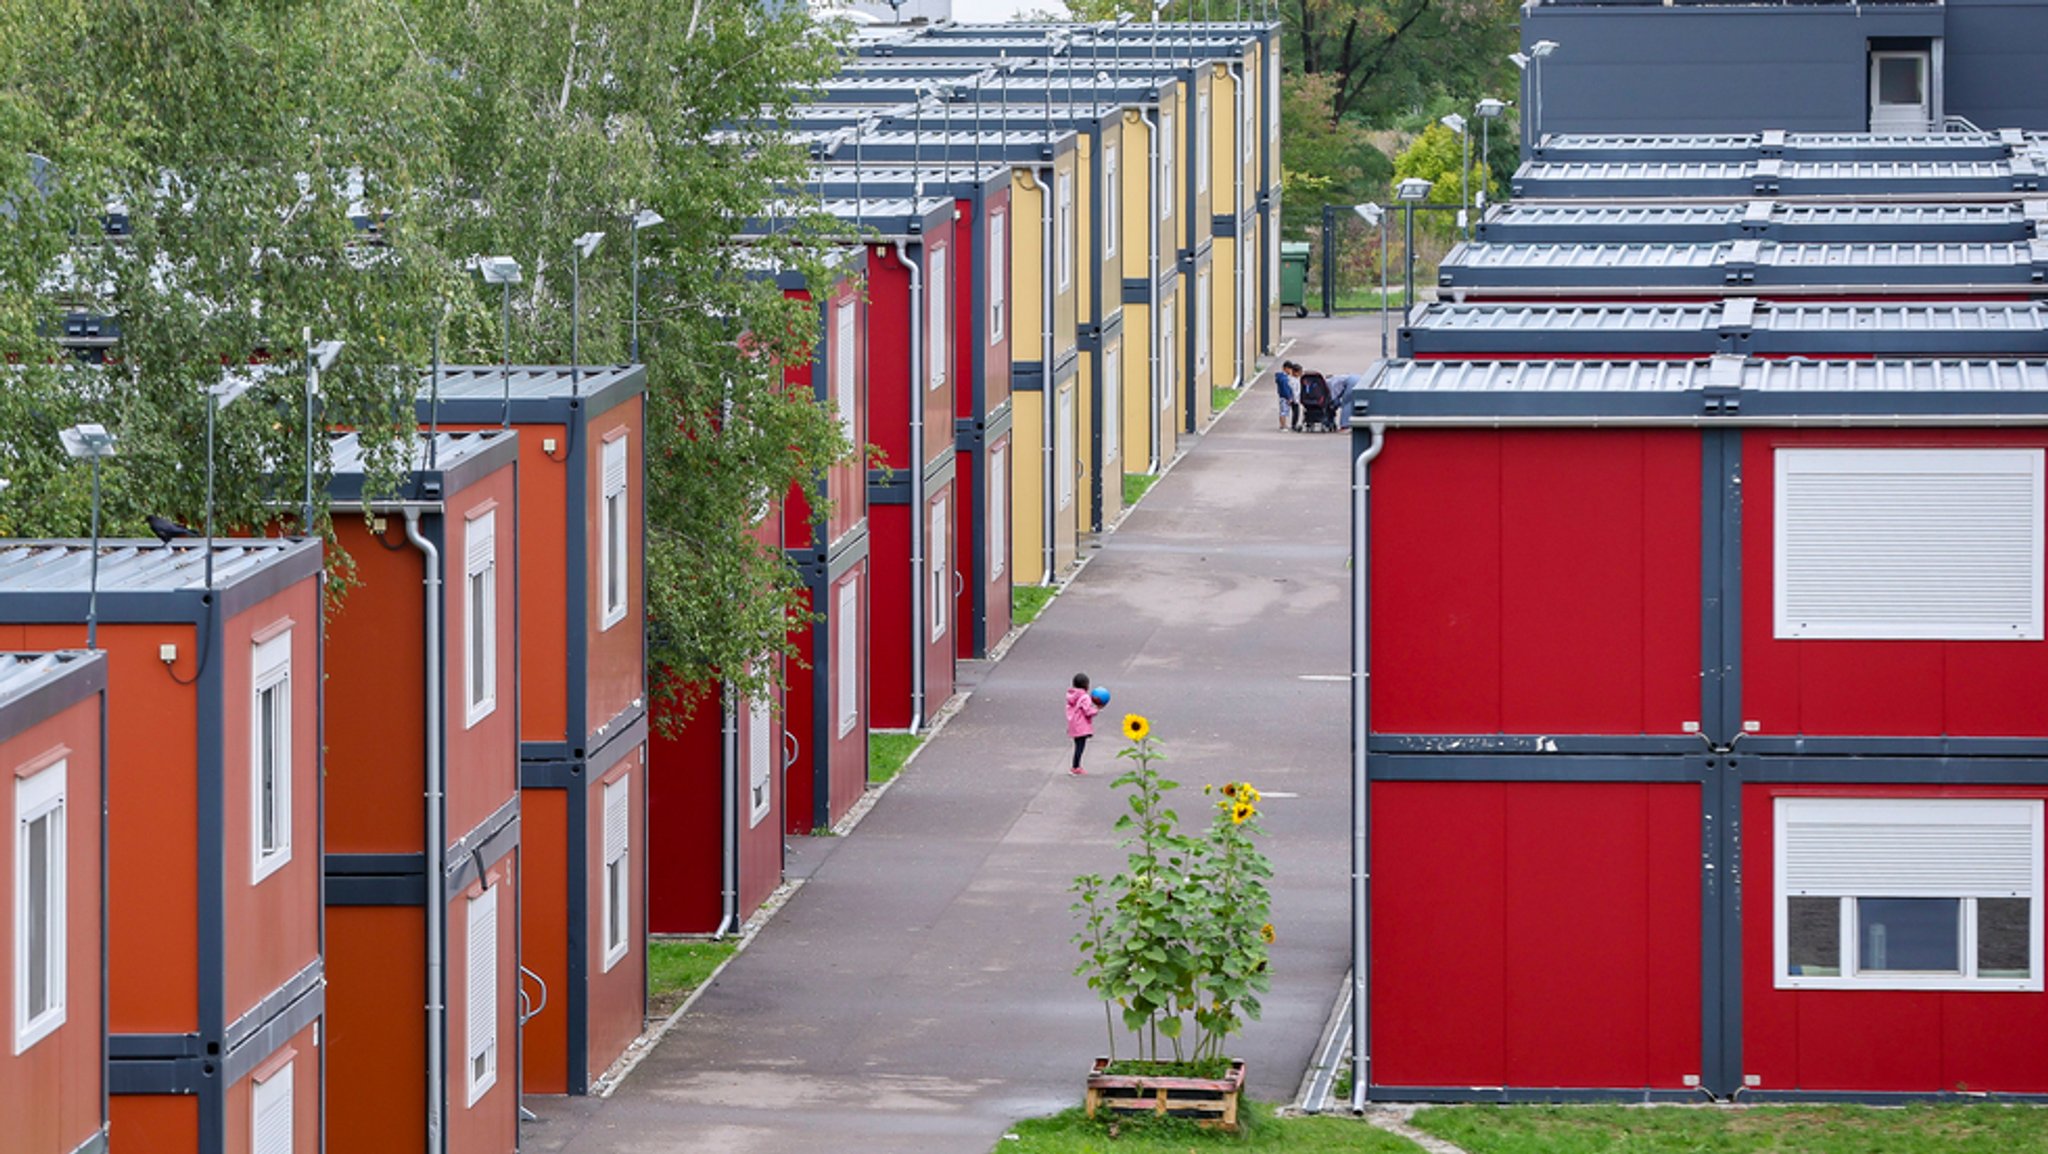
(1347, 256)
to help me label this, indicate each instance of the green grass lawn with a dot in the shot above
(887, 752)
(1961, 1129)
(677, 966)
(1221, 396)
(1355, 299)
(1073, 1133)
(1136, 485)
(1027, 602)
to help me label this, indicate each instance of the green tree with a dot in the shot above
(1436, 156)
(1327, 159)
(1387, 56)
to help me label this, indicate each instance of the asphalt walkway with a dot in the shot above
(917, 993)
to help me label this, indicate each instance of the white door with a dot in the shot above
(1899, 96)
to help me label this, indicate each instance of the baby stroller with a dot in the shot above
(1318, 407)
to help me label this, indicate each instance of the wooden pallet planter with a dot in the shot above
(1210, 1102)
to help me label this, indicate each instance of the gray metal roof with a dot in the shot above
(1774, 177)
(449, 450)
(1762, 265)
(1747, 374)
(137, 566)
(22, 674)
(1735, 325)
(1576, 222)
(528, 382)
(1738, 146)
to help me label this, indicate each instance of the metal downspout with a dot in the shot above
(1242, 294)
(436, 838)
(1152, 271)
(1361, 800)
(919, 587)
(730, 786)
(1048, 395)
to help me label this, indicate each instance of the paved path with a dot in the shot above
(917, 993)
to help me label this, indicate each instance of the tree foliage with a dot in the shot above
(1435, 156)
(1327, 159)
(335, 167)
(1386, 57)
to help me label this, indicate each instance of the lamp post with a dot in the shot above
(1521, 63)
(644, 219)
(1537, 52)
(503, 270)
(1456, 124)
(1376, 217)
(219, 395)
(92, 443)
(1487, 110)
(319, 358)
(1408, 192)
(584, 246)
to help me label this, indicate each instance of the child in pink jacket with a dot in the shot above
(1081, 711)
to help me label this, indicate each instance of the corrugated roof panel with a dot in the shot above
(449, 450)
(1506, 329)
(134, 566)
(527, 382)
(1775, 376)
(1574, 222)
(1747, 262)
(24, 673)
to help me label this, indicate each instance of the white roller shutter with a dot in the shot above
(843, 367)
(1883, 847)
(1908, 543)
(849, 654)
(759, 718)
(482, 993)
(271, 1106)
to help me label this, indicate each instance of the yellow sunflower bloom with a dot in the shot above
(1268, 933)
(1239, 812)
(1136, 727)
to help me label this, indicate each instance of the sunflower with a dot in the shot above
(1267, 933)
(1240, 811)
(1230, 789)
(1136, 727)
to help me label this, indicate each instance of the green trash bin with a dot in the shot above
(1294, 276)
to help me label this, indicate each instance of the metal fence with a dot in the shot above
(1346, 265)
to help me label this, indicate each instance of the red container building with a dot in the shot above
(423, 656)
(53, 1068)
(1701, 741)
(215, 977)
(582, 700)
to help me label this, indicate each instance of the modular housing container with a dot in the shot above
(825, 699)
(423, 655)
(582, 702)
(215, 975)
(1480, 271)
(1932, 222)
(1708, 67)
(981, 417)
(53, 1067)
(1775, 178)
(1686, 631)
(1737, 325)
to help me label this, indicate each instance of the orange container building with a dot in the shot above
(422, 658)
(53, 1081)
(582, 701)
(215, 977)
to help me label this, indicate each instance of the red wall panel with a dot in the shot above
(1536, 582)
(685, 836)
(887, 337)
(801, 713)
(618, 995)
(891, 585)
(850, 750)
(1874, 688)
(617, 677)
(1874, 1040)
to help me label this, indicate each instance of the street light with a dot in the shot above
(585, 245)
(93, 443)
(319, 358)
(1376, 217)
(1408, 192)
(644, 219)
(503, 270)
(219, 395)
(1537, 52)
(1521, 63)
(1456, 124)
(1487, 110)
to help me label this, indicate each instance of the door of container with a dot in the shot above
(1900, 92)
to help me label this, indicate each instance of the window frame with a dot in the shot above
(1112, 404)
(38, 796)
(480, 616)
(481, 1045)
(614, 496)
(936, 293)
(1112, 198)
(1205, 327)
(1063, 230)
(760, 759)
(998, 274)
(1892, 810)
(846, 366)
(941, 567)
(617, 864)
(1166, 191)
(1064, 457)
(849, 653)
(1204, 125)
(998, 508)
(273, 1090)
(270, 673)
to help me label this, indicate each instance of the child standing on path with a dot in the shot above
(1081, 711)
(1283, 381)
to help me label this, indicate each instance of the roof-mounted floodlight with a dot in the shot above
(498, 269)
(647, 218)
(1414, 188)
(1370, 212)
(1542, 48)
(1454, 122)
(1490, 108)
(87, 442)
(588, 242)
(323, 354)
(1519, 61)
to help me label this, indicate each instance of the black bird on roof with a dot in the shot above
(167, 530)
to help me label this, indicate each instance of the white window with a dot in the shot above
(1166, 196)
(998, 508)
(936, 314)
(1908, 543)
(270, 757)
(612, 533)
(760, 716)
(1167, 358)
(849, 654)
(1063, 453)
(1112, 406)
(1063, 224)
(1908, 893)
(845, 370)
(1203, 307)
(483, 992)
(1247, 137)
(942, 569)
(40, 897)
(998, 276)
(270, 1113)
(480, 614)
(1112, 201)
(1202, 142)
(618, 916)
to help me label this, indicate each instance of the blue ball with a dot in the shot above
(1101, 695)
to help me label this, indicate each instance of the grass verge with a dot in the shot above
(1221, 397)
(1027, 602)
(887, 752)
(677, 966)
(1136, 485)
(1944, 1129)
(1073, 1133)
